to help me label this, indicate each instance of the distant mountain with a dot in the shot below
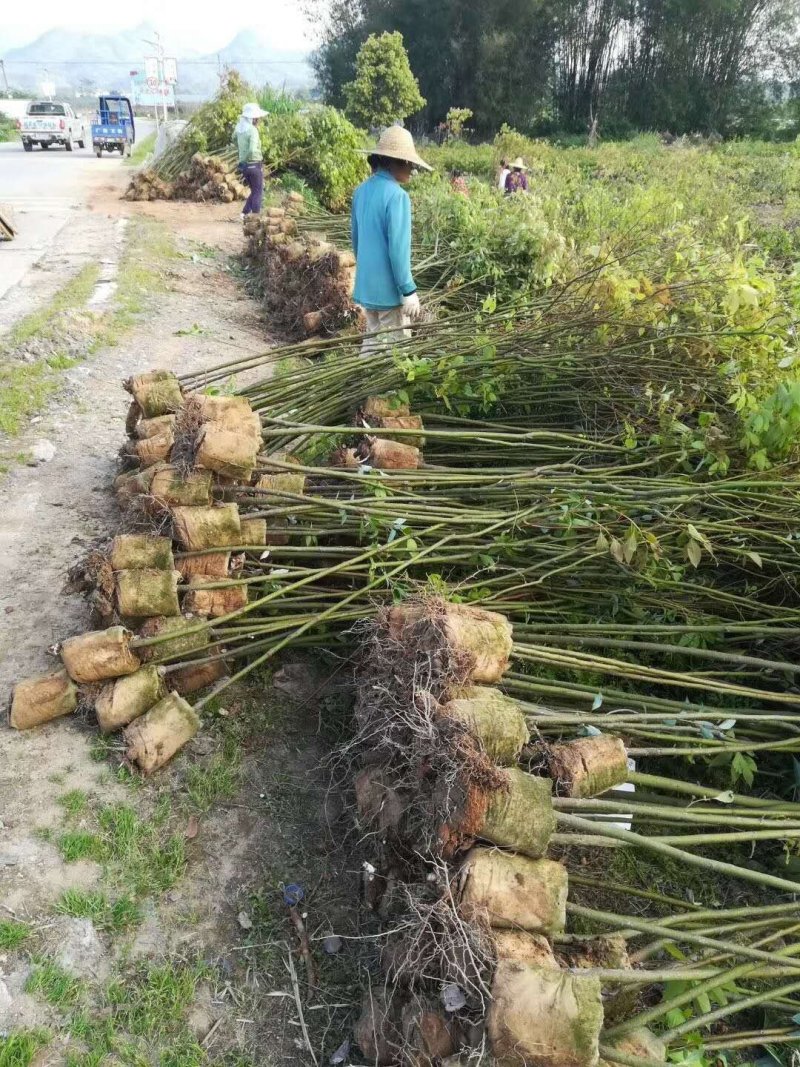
(91, 62)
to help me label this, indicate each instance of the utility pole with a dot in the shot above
(160, 67)
(5, 76)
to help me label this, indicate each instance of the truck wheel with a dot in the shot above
(28, 147)
(68, 144)
(98, 152)
(44, 145)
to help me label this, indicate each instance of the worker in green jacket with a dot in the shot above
(251, 166)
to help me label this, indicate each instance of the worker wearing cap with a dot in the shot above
(381, 228)
(251, 166)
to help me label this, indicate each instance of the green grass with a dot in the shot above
(12, 933)
(218, 780)
(145, 857)
(95, 905)
(154, 999)
(74, 802)
(19, 1048)
(54, 985)
(141, 150)
(77, 845)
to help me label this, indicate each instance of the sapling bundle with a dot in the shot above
(306, 285)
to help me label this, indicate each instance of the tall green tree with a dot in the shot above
(681, 65)
(384, 89)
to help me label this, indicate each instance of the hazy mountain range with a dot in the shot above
(89, 61)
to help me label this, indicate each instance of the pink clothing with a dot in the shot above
(516, 182)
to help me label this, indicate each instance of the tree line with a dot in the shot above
(546, 65)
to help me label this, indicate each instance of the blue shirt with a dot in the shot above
(381, 227)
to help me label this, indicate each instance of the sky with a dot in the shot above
(281, 22)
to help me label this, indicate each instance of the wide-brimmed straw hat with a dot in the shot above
(397, 143)
(252, 111)
(518, 164)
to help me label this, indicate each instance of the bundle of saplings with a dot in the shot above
(306, 285)
(207, 179)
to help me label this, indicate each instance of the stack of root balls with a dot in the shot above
(208, 179)
(184, 453)
(203, 507)
(471, 909)
(306, 283)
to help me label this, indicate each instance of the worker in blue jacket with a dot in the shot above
(381, 226)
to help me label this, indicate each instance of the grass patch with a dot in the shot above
(43, 323)
(154, 999)
(12, 933)
(144, 856)
(217, 780)
(74, 802)
(141, 150)
(54, 985)
(95, 905)
(149, 248)
(77, 845)
(18, 1049)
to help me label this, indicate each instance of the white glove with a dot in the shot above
(412, 309)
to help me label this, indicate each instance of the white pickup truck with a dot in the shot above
(49, 122)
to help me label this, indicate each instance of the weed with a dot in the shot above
(86, 1059)
(12, 933)
(185, 1052)
(74, 802)
(101, 748)
(61, 362)
(18, 1049)
(95, 905)
(54, 984)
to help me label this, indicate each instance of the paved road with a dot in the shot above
(46, 190)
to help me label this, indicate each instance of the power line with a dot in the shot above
(129, 62)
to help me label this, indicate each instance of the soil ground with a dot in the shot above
(144, 921)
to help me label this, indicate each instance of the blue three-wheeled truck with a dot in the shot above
(115, 129)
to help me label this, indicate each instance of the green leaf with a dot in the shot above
(754, 556)
(703, 1003)
(616, 550)
(601, 544)
(597, 702)
(631, 543)
(694, 553)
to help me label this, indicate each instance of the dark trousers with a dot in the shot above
(253, 174)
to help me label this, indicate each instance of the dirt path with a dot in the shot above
(168, 890)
